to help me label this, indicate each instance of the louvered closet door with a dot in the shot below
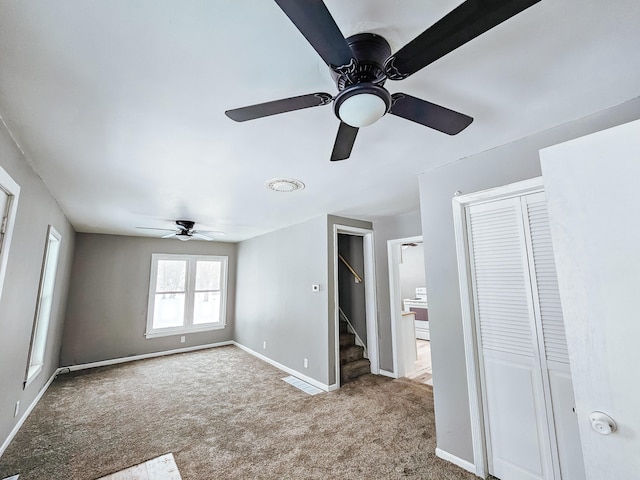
(550, 328)
(513, 395)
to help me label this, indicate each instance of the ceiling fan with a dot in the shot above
(362, 63)
(184, 231)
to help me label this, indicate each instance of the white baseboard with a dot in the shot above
(26, 413)
(468, 466)
(114, 361)
(290, 371)
(386, 373)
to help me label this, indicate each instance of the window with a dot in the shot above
(187, 293)
(9, 192)
(44, 304)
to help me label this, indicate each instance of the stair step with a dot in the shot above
(351, 354)
(352, 370)
(347, 339)
(343, 327)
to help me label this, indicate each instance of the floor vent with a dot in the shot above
(304, 386)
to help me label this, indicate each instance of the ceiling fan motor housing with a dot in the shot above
(185, 224)
(363, 99)
(371, 51)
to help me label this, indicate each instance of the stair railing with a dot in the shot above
(355, 274)
(353, 330)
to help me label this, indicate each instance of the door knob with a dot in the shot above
(602, 423)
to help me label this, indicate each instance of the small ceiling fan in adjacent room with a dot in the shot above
(362, 63)
(185, 231)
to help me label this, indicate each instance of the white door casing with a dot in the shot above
(400, 369)
(370, 296)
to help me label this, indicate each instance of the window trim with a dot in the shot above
(8, 185)
(187, 326)
(40, 330)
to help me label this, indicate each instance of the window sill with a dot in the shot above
(34, 370)
(183, 331)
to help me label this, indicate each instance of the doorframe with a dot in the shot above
(474, 387)
(394, 248)
(371, 309)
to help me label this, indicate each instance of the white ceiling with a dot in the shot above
(119, 105)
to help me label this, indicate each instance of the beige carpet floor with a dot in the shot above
(225, 414)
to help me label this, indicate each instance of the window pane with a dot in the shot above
(168, 310)
(207, 275)
(206, 308)
(4, 207)
(171, 275)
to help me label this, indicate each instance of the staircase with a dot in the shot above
(352, 361)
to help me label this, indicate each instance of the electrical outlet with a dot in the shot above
(182, 339)
(264, 345)
(17, 409)
(306, 363)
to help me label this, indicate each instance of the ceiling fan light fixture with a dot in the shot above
(362, 104)
(183, 236)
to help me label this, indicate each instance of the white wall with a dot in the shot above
(509, 163)
(592, 192)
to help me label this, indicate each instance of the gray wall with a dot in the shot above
(36, 210)
(389, 228)
(107, 306)
(411, 271)
(351, 295)
(503, 165)
(275, 303)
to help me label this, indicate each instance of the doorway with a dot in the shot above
(357, 243)
(409, 310)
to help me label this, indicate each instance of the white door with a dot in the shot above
(518, 446)
(593, 198)
(525, 376)
(551, 329)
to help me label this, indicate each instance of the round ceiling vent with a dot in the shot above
(284, 185)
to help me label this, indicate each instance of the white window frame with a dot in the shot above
(9, 186)
(42, 319)
(187, 326)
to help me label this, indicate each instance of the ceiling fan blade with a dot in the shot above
(202, 236)
(173, 234)
(162, 229)
(317, 25)
(428, 114)
(469, 20)
(212, 232)
(279, 106)
(344, 142)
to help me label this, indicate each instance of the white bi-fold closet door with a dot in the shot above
(531, 429)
